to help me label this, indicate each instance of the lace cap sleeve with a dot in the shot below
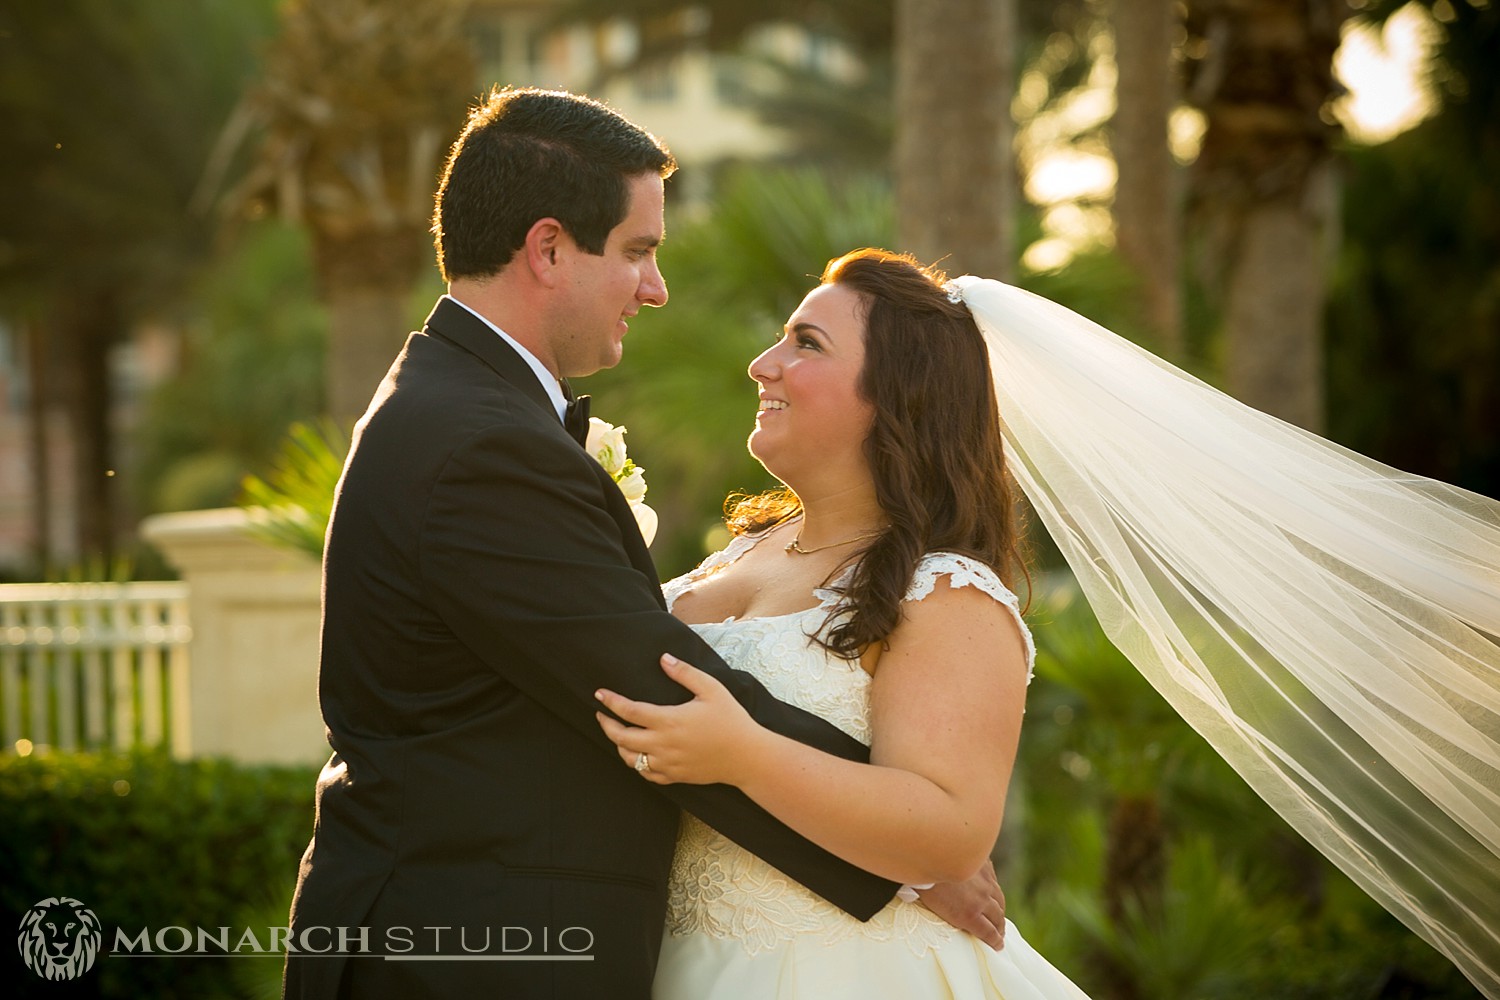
(677, 586)
(966, 571)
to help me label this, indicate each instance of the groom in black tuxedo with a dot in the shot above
(476, 835)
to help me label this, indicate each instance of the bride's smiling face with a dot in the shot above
(812, 420)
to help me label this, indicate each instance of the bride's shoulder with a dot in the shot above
(956, 603)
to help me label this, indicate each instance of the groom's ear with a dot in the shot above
(544, 240)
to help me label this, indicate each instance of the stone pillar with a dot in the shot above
(254, 608)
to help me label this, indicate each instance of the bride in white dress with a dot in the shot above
(1327, 623)
(737, 927)
(868, 594)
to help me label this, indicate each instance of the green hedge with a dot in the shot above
(147, 841)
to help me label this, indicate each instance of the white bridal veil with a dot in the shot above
(1327, 623)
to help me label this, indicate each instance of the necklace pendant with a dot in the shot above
(795, 545)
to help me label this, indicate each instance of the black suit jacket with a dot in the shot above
(483, 576)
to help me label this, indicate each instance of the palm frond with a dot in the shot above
(292, 505)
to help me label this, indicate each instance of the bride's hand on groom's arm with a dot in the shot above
(976, 905)
(712, 739)
(706, 740)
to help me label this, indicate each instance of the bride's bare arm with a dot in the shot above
(946, 716)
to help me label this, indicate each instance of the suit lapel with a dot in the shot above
(630, 533)
(454, 323)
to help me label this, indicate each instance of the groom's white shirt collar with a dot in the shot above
(549, 382)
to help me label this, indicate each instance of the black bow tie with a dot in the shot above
(576, 419)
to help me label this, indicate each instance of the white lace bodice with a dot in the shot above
(720, 889)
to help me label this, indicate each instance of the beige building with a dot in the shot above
(697, 102)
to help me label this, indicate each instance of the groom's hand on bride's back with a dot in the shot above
(976, 905)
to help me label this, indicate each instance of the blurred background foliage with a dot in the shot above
(110, 112)
(251, 361)
(1131, 856)
(1138, 861)
(1414, 313)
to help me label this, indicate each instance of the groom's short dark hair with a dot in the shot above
(532, 154)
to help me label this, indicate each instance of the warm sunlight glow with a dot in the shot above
(1081, 223)
(1383, 71)
(1065, 163)
(1070, 174)
(1185, 128)
(1068, 170)
(1050, 254)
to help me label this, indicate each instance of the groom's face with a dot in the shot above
(604, 291)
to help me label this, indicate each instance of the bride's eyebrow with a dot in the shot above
(810, 328)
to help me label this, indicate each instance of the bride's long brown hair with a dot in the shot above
(935, 449)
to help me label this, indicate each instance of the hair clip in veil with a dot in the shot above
(954, 288)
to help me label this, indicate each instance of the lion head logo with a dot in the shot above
(59, 938)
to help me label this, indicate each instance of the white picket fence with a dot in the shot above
(94, 665)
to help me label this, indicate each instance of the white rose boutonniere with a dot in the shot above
(606, 443)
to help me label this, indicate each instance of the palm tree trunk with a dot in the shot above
(1146, 207)
(38, 376)
(1135, 866)
(1135, 872)
(360, 175)
(955, 72)
(1273, 316)
(88, 323)
(367, 281)
(1265, 191)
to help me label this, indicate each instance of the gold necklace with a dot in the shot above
(795, 545)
